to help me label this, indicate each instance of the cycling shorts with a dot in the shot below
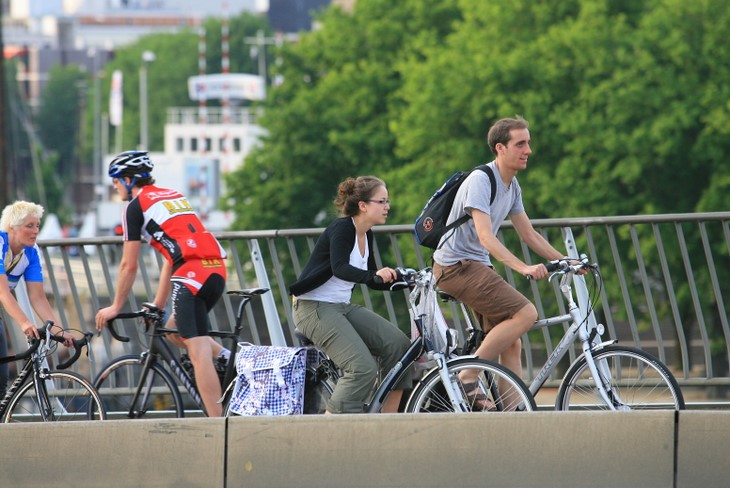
(196, 288)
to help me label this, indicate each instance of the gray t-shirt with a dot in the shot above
(475, 192)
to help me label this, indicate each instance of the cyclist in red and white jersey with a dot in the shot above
(193, 271)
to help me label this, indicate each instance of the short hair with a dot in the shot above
(15, 214)
(352, 191)
(499, 133)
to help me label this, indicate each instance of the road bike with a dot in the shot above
(496, 388)
(144, 385)
(606, 375)
(42, 394)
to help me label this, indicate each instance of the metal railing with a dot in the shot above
(663, 289)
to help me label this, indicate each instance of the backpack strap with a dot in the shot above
(493, 182)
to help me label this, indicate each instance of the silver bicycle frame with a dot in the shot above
(583, 324)
(425, 284)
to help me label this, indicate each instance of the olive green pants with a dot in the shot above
(351, 335)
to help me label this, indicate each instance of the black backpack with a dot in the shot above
(431, 224)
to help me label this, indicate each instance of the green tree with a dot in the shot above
(176, 59)
(331, 117)
(58, 118)
(627, 103)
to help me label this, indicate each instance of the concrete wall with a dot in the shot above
(540, 449)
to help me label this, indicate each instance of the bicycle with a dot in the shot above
(497, 389)
(41, 394)
(606, 376)
(143, 385)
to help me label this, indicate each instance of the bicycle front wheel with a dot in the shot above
(633, 379)
(62, 396)
(118, 382)
(496, 389)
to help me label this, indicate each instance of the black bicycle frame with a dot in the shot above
(160, 351)
(394, 375)
(17, 384)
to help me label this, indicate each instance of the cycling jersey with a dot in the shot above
(27, 264)
(168, 222)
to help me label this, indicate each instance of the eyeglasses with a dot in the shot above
(381, 202)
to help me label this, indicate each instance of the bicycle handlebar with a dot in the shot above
(34, 344)
(405, 278)
(150, 311)
(567, 265)
(78, 344)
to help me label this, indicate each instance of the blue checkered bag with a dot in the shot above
(270, 380)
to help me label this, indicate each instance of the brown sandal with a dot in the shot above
(478, 401)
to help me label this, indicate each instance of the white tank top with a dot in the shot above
(337, 290)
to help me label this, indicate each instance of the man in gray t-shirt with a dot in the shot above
(462, 264)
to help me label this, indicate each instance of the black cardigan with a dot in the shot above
(331, 257)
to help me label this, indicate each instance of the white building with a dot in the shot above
(196, 157)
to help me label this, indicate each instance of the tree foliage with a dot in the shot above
(627, 103)
(59, 114)
(176, 59)
(331, 117)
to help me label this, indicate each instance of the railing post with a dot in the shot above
(272, 315)
(579, 282)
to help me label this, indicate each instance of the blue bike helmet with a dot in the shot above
(132, 165)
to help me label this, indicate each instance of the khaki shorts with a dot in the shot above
(478, 286)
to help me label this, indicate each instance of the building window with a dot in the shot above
(237, 144)
(194, 144)
(180, 144)
(208, 144)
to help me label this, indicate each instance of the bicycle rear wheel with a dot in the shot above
(318, 388)
(497, 389)
(634, 379)
(117, 384)
(62, 396)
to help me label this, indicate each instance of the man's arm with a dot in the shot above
(533, 238)
(483, 225)
(163, 289)
(127, 273)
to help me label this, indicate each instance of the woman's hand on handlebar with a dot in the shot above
(30, 330)
(388, 275)
(68, 339)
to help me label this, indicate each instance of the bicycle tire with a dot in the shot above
(117, 385)
(641, 380)
(67, 396)
(429, 396)
(318, 389)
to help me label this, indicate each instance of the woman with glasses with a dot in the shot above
(351, 335)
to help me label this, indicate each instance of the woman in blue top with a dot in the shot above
(19, 227)
(350, 334)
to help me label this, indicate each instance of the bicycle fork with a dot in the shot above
(144, 388)
(600, 370)
(450, 382)
(602, 374)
